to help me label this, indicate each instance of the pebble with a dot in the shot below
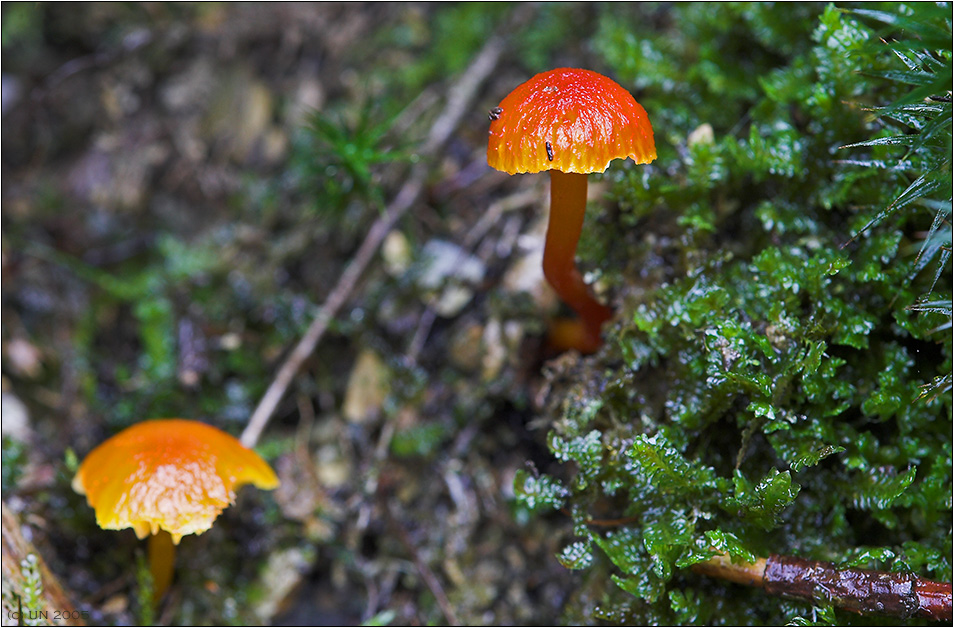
(396, 251)
(368, 387)
(282, 575)
(14, 418)
(447, 268)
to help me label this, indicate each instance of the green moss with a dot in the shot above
(13, 461)
(767, 389)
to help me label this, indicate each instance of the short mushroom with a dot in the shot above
(571, 122)
(166, 478)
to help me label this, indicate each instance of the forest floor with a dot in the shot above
(164, 250)
(279, 219)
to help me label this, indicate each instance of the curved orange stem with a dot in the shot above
(567, 207)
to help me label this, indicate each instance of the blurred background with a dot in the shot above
(184, 185)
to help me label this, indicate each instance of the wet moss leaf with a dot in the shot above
(821, 616)
(878, 488)
(763, 503)
(895, 388)
(714, 542)
(665, 538)
(586, 451)
(666, 469)
(813, 457)
(646, 588)
(624, 548)
(538, 493)
(687, 605)
(576, 555)
(729, 543)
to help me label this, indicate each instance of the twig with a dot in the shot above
(474, 235)
(862, 591)
(433, 584)
(461, 95)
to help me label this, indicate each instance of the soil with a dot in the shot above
(138, 136)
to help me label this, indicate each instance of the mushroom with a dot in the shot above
(571, 122)
(166, 478)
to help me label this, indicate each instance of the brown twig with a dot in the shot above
(460, 97)
(862, 591)
(433, 584)
(474, 235)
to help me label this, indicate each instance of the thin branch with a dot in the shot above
(862, 591)
(427, 575)
(460, 98)
(490, 217)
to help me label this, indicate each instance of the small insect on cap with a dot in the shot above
(170, 474)
(570, 120)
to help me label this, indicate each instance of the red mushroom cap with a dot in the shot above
(570, 120)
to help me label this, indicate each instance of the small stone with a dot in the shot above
(450, 269)
(275, 146)
(526, 273)
(308, 98)
(230, 341)
(283, 574)
(115, 605)
(501, 341)
(453, 300)
(11, 93)
(14, 418)
(466, 347)
(333, 470)
(23, 357)
(396, 251)
(188, 89)
(368, 387)
(702, 134)
(442, 260)
(240, 114)
(495, 354)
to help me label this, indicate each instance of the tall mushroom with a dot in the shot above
(571, 122)
(166, 478)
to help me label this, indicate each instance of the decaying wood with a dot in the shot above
(57, 606)
(862, 591)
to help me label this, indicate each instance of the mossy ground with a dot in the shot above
(184, 184)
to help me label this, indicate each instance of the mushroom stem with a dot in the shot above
(162, 560)
(567, 206)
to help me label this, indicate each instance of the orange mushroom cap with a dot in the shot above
(570, 120)
(170, 474)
